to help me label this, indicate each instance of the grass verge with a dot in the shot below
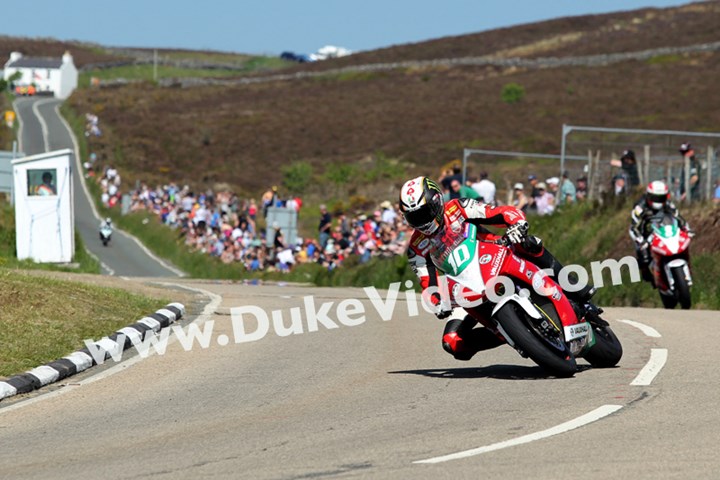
(43, 319)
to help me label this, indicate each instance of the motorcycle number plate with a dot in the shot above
(579, 330)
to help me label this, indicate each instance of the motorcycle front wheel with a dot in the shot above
(607, 350)
(682, 289)
(560, 363)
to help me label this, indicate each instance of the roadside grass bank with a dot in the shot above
(43, 319)
(83, 262)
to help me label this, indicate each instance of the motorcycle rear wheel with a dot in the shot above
(561, 364)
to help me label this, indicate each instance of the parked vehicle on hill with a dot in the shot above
(25, 90)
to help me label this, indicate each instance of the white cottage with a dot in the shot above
(56, 75)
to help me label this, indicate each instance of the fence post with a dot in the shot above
(686, 168)
(646, 156)
(641, 172)
(709, 160)
(589, 175)
(466, 154)
(596, 169)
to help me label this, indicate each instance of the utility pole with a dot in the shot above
(155, 65)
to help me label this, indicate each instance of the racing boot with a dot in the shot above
(541, 257)
(544, 259)
(462, 341)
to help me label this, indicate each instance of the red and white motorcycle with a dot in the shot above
(520, 303)
(670, 265)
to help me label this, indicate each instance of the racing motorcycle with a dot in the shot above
(521, 303)
(670, 264)
(105, 234)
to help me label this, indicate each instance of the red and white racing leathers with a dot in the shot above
(459, 338)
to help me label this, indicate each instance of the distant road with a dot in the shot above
(42, 129)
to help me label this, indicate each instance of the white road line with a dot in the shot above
(207, 312)
(578, 422)
(20, 125)
(647, 330)
(43, 124)
(658, 357)
(79, 167)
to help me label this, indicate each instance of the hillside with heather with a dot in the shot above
(420, 117)
(244, 134)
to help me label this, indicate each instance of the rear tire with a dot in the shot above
(607, 350)
(561, 364)
(682, 289)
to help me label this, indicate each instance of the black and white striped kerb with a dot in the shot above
(82, 359)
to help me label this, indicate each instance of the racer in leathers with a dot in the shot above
(655, 200)
(421, 202)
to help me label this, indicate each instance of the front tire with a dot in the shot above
(668, 301)
(561, 364)
(682, 289)
(607, 350)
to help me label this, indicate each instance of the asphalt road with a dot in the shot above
(367, 401)
(43, 130)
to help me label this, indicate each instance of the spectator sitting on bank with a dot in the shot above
(460, 191)
(567, 190)
(553, 187)
(520, 200)
(534, 192)
(545, 201)
(581, 189)
(449, 176)
(619, 185)
(716, 195)
(388, 213)
(485, 188)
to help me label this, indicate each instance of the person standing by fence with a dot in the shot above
(688, 154)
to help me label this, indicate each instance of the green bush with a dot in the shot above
(384, 168)
(512, 93)
(297, 177)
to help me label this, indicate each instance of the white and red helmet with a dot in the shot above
(657, 194)
(422, 204)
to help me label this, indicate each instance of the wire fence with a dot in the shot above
(655, 156)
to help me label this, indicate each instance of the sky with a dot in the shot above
(273, 26)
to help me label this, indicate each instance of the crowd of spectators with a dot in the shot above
(220, 224)
(223, 225)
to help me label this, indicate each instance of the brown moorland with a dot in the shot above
(243, 135)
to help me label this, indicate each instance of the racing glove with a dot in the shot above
(518, 232)
(441, 310)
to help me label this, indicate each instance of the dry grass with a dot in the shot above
(43, 319)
